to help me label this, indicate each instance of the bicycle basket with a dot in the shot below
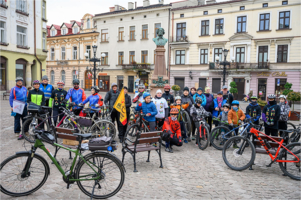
(84, 121)
(102, 143)
(47, 137)
(34, 108)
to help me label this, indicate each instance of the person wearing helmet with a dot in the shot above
(57, 100)
(284, 112)
(218, 106)
(172, 129)
(235, 115)
(198, 113)
(138, 98)
(186, 97)
(76, 96)
(109, 101)
(95, 99)
(167, 96)
(46, 88)
(200, 95)
(162, 108)
(149, 109)
(270, 116)
(19, 93)
(253, 110)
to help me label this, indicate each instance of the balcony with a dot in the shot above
(137, 67)
(263, 66)
(182, 38)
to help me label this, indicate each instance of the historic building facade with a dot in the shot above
(263, 39)
(22, 41)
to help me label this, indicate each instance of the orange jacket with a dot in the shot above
(184, 106)
(233, 116)
(173, 126)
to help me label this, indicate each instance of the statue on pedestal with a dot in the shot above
(160, 40)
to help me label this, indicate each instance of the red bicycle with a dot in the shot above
(243, 155)
(202, 136)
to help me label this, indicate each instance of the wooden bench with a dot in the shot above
(274, 145)
(149, 141)
(5, 94)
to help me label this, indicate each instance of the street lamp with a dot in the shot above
(224, 63)
(95, 60)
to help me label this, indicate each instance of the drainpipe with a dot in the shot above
(35, 43)
(172, 28)
(168, 50)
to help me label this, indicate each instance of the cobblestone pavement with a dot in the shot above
(188, 173)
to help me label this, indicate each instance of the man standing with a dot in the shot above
(226, 95)
(46, 88)
(110, 99)
(19, 93)
(57, 98)
(167, 96)
(77, 96)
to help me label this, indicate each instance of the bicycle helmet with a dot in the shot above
(282, 96)
(36, 82)
(141, 86)
(75, 81)
(178, 98)
(95, 88)
(146, 94)
(254, 97)
(167, 87)
(198, 100)
(271, 96)
(226, 105)
(174, 111)
(19, 79)
(60, 82)
(235, 102)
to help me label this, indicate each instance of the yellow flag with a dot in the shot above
(120, 107)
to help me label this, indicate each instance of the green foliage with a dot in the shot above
(287, 87)
(233, 88)
(261, 102)
(294, 96)
(251, 93)
(233, 84)
(175, 88)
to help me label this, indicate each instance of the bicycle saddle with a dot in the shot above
(45, 107)
(286, 131)
(95, 109)
(84, 136)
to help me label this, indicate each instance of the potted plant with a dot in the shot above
(294, 96)
(261, 103)
(233, 89)
(177, 89)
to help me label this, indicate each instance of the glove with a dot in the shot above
(148, 114)
(231, 124)
(80, 104)
(239, 121)
(96, 105)
(268, 123)
(272, 123)
(140, 104)
(140, 94)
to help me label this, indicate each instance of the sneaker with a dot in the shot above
(193, 137)
(20, 137)
(189, 139)
(17, 134)
(185, 141)
(235, 146)
(121, 139)
(169, 150)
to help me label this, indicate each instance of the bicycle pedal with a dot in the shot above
(269, 165)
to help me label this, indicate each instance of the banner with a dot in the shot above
(120, 107)
(18, 106)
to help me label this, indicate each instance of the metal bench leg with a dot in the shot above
(134, 157)
(159, 152)
(70, 156)
(148, 156)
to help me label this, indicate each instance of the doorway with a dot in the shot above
(104, 83)
(21, 69)
(88, 80)
(180, 82)
(131, 84)
(240, 82)
(3, 63)
(202, 83)
(120, 82)
(262, 86)
(216, 85)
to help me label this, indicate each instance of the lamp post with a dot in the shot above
(224, 63)
(95, 60)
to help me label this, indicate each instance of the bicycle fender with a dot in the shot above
(27, 117)
(38, 155)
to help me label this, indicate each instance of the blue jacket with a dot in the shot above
(148, 108)
(77, 96)
(94, 99)
(215, 112)
(47, 90)
(19, 94)
(204, 101)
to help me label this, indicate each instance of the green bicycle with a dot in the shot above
(98, 174)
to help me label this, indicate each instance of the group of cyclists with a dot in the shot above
(160, 111)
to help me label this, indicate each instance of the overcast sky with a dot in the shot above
(59, 11)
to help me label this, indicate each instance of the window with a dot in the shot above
(132, 57)
(105, 59)
(240, 54)
(219, 11)
(205, 27)
(205, 12)
(120, 58)
(74, 53)
(63, 53)
(52, 54)
(181, 15)
(180, 57)
(64, 31)
(204, 56)
(241, 24)
(88, 50)
(120, 34)
(284, 20)
(144, 31)
(52, 77)
(104, 35)
(158, 14)
(44, 9)
(104, 22)
(132, 32)
(282, 53)
(219, 26)
(52, 33)
(144, 56)
(63, 75)
(181, 31)
(44, 41)
(2, 32)
(264, 5)
(20, 70)
(74, 76)
(279, 85)
(262, 56)
(88, 23)
(218, 52)
(284, 3)
(157, 26)
(264, 23)
(241, 8)
(21, 36)
(22, 5)
(75, 30)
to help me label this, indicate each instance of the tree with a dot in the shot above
(287, 87)
(294, 96)
(233, 88)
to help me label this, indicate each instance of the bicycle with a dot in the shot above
(244, 156)
(202, 137)
(91, 172)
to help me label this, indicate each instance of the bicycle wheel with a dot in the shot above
(203, 137)
(11, 169)
(291, 126)
(111, 173)
(28, 124)
(216, 137)
(290, 168)
(239, 156)
(187, 122)
(295, 136)
(103, 128)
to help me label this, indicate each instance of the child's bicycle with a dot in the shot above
(202, 137)
(99, 175)
(243, 157)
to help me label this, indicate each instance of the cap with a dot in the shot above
(225, 87)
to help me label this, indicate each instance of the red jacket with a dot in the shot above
(173, 126)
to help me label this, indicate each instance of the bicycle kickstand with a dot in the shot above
(96, 183)
(269, 165)
(251, 167)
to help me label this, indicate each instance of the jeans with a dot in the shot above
(152, 126)
(209, 121)
(18, 117)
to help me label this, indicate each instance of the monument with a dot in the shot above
(159, 77)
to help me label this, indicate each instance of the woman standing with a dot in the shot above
(209, 101)
(192, 91)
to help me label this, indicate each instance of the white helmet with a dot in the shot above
(177, 98)
(282, 96)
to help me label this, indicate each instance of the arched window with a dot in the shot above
(88, 23)
(52, 77)
(74, 75)
(63, 75)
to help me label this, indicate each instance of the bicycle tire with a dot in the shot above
(30, 136)
(290, 126)
(232, 151)
(204, 141)
(12, 169)
(289, 165)
(216, 137)
(95, 159)
(187, 123)
(105, 128)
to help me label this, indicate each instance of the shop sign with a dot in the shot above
(274, 74)
(283, 74)
(260, 93)
(264, 74)
(278, 82)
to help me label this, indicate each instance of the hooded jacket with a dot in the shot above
(203, 97)
(284, 112)
(37, 97)
(253, 111)
(18, 93)
(148, 108)
(188, 99)
(168, 97)
(198, 113)
(215, 105)
(233, 116)
(111, 97)
(128, 104)
(57, 96)
(173, 127)
(93, 100)
(271, 113)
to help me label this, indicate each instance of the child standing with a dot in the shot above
(218, 104)
(223, 116)
(162, 108)
(284, 112)
(235, 115)
(253, 110)
(270, 116)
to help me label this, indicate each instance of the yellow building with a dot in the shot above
(263, 39)
(22, 41)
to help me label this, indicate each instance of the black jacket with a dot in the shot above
(169, 98)
(271, 113)
(128, 103)
(111, 97)
(188, 99)
(38, 94)
(57, 96)
(228, 97)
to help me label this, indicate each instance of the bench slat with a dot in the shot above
(65, 136)
(64, 130)
(142, 149)
(150, 134)
(148, 140)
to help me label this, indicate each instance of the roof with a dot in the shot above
(73, 22)
(48, 26)
(71, 34)
(67, 25)
(211, 4)
(138, 8)
(57, 27)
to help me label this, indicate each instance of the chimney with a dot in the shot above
(130, 6)
(210, 2)
(161, 1)
(145, 3)
(116, 7)
(135, 4)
